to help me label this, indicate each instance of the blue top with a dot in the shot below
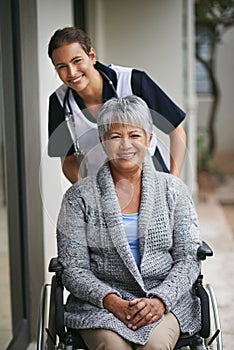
(131, 229)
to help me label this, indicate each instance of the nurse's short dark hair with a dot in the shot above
(69, 35)
(130, 110)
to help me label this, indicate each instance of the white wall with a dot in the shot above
(141, 34)
(52, 15)
(225, 72)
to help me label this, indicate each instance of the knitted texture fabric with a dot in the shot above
(97, 260)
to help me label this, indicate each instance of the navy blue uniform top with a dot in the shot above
(167, 117)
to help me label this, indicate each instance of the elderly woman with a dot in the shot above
(128, 239)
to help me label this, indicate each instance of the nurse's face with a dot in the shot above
(74, 66)
(126, 146)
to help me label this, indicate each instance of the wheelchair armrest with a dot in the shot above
(55, 265)
(203, 251)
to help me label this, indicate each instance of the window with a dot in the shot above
(203, 47)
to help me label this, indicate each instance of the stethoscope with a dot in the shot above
(69, 116)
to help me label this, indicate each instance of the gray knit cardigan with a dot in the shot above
(97, 259)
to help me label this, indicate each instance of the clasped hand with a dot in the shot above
(137, 312)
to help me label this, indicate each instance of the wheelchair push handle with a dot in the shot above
(55, 266)
(203, 251)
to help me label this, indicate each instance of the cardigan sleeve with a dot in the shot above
(186, 241)
(73, 254)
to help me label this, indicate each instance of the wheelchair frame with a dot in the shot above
(60, 338)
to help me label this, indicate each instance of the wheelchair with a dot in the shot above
(53, 334)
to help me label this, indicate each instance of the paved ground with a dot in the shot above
(217, 232)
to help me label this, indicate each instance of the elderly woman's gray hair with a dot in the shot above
(130, 110)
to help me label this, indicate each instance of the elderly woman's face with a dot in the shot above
(126, 146)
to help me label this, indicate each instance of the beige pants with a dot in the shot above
(163, 337)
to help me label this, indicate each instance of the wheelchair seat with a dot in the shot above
(56, 336)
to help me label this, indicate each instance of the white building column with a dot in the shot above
(51, 15)
(191, 97)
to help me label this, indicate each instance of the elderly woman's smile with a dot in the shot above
(126, 156)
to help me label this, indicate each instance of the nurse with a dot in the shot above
(87, 84)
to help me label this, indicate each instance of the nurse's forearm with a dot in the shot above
(70, 168)
(177, 150)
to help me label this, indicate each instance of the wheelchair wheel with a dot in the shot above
(214, 342)
(46, 339)
(42, 320)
